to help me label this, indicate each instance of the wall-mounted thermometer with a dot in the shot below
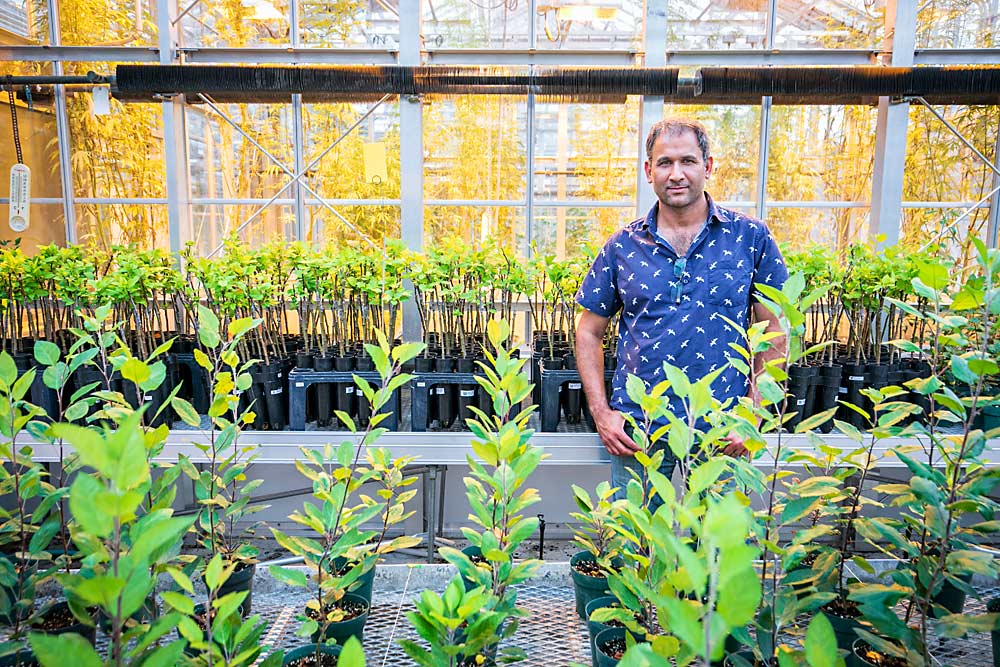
(20, 197)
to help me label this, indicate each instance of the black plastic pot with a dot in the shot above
(88, 632)
(851, 383)
(595, 627)
(444, 394)
(844, 629)
(345, 399)
(586, 588)
(876, 377)
(950, 597)
(303, 359)
(240, 580)
(293, 657)
(324, 407)
(828, 392)
(341, 631)
(466, 392)
(600, 641)
(364, 408)
(23, 657)
(275, 396)
(572, 395)
(363, 584)
(800, 378)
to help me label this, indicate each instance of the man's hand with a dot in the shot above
(611, 428)
(734, 446)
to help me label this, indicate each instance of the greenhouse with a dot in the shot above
(453, 333)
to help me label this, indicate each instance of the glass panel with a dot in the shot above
(106, 22)
(708, 24)
(608, 25)
(924, 226)
(801, 227)
(821, 153)
(734, 138)
(586, 151)
(117, 155)
(374, 222)
(214, 223)
(473, 224)
(245, 23)
(565, 230)
(224, 164)
(939, 167)
(104, 225)
(350, 23)
(46, 223)
(826, 24)
(342, 172)
(957, 24)
(475, 24)
(475, 147)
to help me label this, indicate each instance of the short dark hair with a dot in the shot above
(674, 126)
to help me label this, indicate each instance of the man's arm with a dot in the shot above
(610, 423)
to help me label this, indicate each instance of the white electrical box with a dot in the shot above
(20, 197)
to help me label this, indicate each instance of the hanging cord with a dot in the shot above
(13, 124)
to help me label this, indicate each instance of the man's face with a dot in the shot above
(677, 170)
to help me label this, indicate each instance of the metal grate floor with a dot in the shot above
(552, 635)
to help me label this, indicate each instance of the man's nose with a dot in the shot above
(676, 173)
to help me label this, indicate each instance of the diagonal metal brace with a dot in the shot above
(989, 163)
(296, 178)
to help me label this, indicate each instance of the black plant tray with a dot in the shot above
(300, 379)
(551, 384)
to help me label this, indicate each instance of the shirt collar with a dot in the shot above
(715, 214)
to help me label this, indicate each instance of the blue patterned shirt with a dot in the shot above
(671, 306)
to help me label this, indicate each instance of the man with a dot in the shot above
(673, 274)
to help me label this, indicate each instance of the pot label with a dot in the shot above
(842, 390)
(467, 393)
(279, 390)
(574, 385)
(801, 401)
(855, 378)
(439, 391)
(300, 384)
(349, 389)
(421, 384)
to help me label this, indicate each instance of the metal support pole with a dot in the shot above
(529, 188)
(993, 222)
(764, 140)
(62, 131)
(431, 493)
(411, 159)
(652, 107)
(298, 148)
(891, 128)
(175, 139)
(764, 143)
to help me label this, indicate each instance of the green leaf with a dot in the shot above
(46, 352)
(8, 369)
(289, 576)
(135, 370)
(55, 650)
(81, 503)
(821, 643)
(185, 411)
(208, 328)
(352, 654)
(960, 368)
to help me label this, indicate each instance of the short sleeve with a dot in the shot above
(769, 266)
(597, 291)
